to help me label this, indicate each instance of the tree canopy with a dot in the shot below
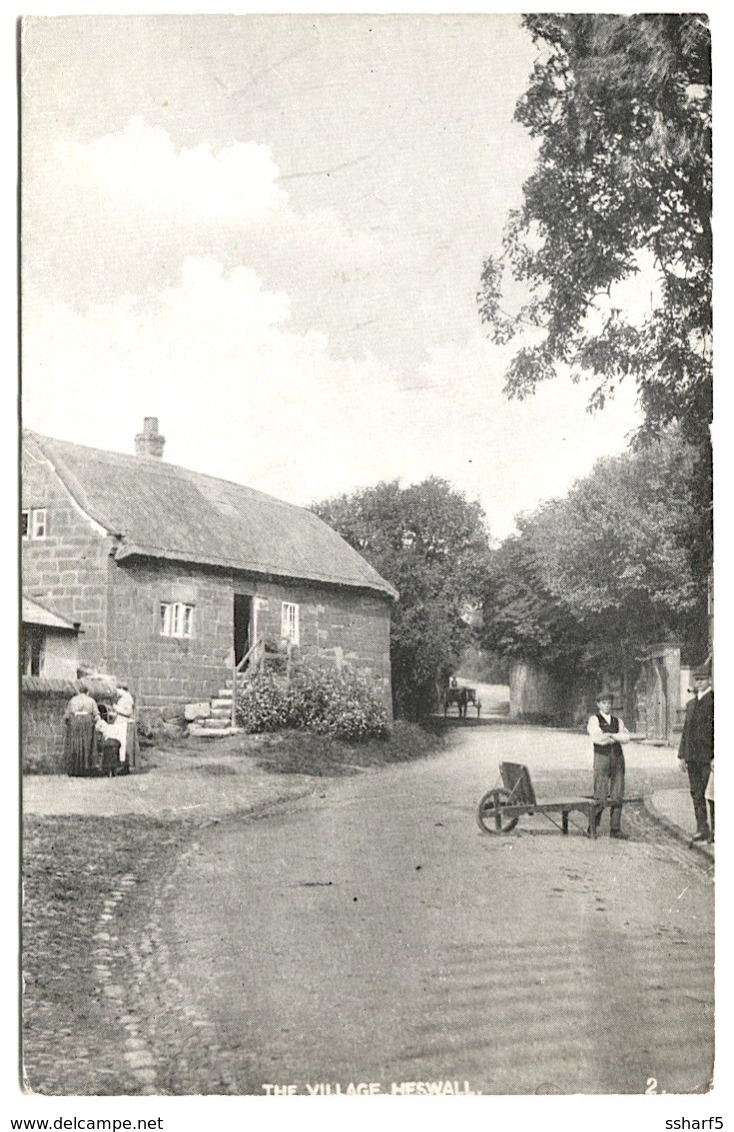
(432, 544)
(621, 108)
(595, 577)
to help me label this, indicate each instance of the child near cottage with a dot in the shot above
(113, 731)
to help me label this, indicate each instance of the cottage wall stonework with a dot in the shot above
(168, 671)
(342, 627)
(66, 570)
(335, 626)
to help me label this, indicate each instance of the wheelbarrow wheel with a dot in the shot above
(490, 812)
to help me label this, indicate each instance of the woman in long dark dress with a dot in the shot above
(80, 719)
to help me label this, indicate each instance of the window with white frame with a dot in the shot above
(39, 523)
(34, 523)
(289, 622)
(176, 619)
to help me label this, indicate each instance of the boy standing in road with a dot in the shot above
(608, 733)
(696, 750)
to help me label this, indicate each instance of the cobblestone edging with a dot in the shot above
(145, 1037)
(137, 1056)
(134, 977)
(188, 1057)
(102, 1013)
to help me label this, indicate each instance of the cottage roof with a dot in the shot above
(160, 510)
(34, 614)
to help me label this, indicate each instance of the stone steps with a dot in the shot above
(215, 718)
(198, 731)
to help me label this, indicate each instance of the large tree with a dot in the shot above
(432, 544)
(621, 108)
(593, 578)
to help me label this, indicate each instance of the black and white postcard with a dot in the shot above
(366, 551)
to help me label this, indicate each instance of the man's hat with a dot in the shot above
(700, 673)
(604, 694)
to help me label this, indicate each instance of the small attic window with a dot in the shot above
(39, 524)
(34, 523)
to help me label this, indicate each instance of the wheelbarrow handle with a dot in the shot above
(631, 798)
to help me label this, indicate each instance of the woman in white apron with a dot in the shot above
(125, 708)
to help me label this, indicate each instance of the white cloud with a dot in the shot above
(140, 169)
(238, 394)
(119, 213)
(241, 395)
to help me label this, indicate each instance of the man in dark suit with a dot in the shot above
(697, 747)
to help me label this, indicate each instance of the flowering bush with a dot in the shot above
(263, 704)
(319, 699)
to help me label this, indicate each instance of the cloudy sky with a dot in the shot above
(268, 232)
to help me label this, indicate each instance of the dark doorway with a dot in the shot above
(242, 615)
(32, 647)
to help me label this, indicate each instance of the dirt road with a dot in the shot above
(375, 935)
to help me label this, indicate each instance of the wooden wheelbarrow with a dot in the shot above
(501, 808)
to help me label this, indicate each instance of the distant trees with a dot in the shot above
(616, 565)
(586, 585)
(621, 107)
(432, 544)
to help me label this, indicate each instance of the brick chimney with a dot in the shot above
(149, 442)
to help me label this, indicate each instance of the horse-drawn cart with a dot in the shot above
(462, 696)
(501, 808)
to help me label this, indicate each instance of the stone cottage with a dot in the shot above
(171, 576)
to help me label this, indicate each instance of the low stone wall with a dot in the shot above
(536, 695)
(42, 706)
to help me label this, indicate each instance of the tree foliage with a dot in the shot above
(432, 544)
(612, 567)
(621, 108)
(522, 618)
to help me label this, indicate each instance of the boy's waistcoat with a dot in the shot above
(610, 728)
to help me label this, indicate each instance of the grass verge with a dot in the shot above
(299, 752)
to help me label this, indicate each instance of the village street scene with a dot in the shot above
(272, 930)
(367, 633)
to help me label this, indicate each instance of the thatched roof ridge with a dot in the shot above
(159, 510)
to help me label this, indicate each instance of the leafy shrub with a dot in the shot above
(263, 704)
(318, 699)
